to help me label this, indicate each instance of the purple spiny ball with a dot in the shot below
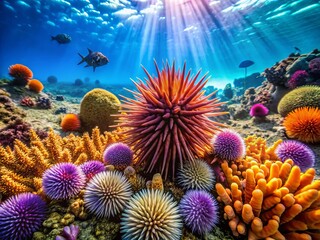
(119, 155)
(228, 145)
(21, 216)
(258, 110)
(91, 168)
(297, 79)
(63, 181)
(199, 210)
(300, 153)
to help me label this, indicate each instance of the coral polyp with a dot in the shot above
(169, 120)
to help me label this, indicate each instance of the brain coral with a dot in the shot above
(306, 96)
(96, 108)
(35, 85)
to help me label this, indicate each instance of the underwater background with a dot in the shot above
(209, 34)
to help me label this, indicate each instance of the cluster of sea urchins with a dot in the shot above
(168, 121)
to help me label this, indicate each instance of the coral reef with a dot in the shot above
(107, 193)
(300, 153)
(199, 211)
(151, 214)
(70, 122)
(228, 91)
(119, 155)
(21, 74)
(63, 181)
(253, 80)
(169, 119)
(228, 145)
(196, 174)
(27, 102)
(314, 66)
(52, 79)
(299, 78)
(78, 82)
(303, 124)
(35, 85)
(96, 109)
(21, 216)
(21, 169)
(43, 103)
(305, 96)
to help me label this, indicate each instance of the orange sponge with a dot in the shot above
(35, 85)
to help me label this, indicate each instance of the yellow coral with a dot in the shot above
(21, 168)
(269, 198)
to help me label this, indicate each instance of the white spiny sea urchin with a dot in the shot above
(151, 214)
(107, 193)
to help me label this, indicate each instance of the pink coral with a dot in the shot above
(297, 79)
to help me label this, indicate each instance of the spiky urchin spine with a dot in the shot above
(107, 193)
(196, 174)
(168, 120)
(151, 214)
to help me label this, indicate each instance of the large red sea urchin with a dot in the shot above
(168, 121)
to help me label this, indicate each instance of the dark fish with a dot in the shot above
(62, 38)
(246, 63)
(297, 49)
(94, 59)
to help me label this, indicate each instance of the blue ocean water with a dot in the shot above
(215, 35)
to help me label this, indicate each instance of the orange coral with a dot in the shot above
(35, 85)
(70, 122)
(270, 199)
(303, 124)
(20, 73)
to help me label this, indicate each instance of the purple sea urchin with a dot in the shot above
(299, 78)
(151, 214)
(300, 153)
(228, 145)
(196, 174)
(258, 110)
(107, 193)
(119, 155)
(199, 211)
(21, 215)
(63, 181)
(168, 121)
(91, 168)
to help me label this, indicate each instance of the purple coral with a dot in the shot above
(21, 216)
(314, 67)
(228, 145)
(63, 181)
(199, 210)
(299, 78)
(69, 233)
(91, 168)
(300, 153)
(118, 154)
(258, 110)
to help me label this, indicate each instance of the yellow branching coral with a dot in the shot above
(270, 199)
(22, 167)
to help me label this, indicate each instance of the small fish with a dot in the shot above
(94, 59)
(62, 38)
(297, 49)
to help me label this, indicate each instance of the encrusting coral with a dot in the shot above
(21, 169)
(269, 199)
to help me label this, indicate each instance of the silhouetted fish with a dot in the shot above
(62, 38)
(297, 49)
(94, 59)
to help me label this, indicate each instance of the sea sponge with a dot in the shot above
(119, 155)
(35, 85)
(151, 214)
(303, 124)
(299, 78)
(21, 216)
(228, 145)
(168, 120)
(96, 109)
(199, 210)
(91, 168)
(107, 193)
(305, 96)
(258, 110)
(196, 174)
(70, 122)
(300, 153)
(20, 73)
(63, 181)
